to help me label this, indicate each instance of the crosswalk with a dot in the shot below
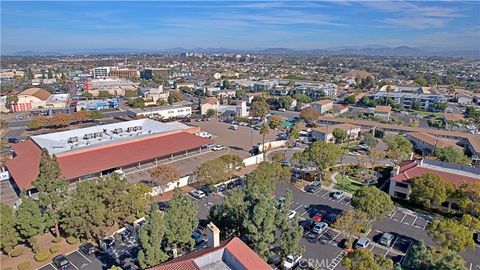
(337, 260)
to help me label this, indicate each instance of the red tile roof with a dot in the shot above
(24, 167)
(247, 258)
(411, 169)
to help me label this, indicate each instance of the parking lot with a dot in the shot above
(82, 261)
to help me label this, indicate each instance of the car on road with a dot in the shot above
(363, 242)
(197, 194)
(313, 187)
(291, 261)
(320, 227)
(386, 239)
(61, 262)
(319, 215)
(218, 147)
(162, 205)
(330, 219)
(291, 214)
(337, 195)
(307, 224)
(87, 249)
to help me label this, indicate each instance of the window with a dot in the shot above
(400, 195)
(400, 184)
(170, 112)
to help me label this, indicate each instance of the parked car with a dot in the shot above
(222, 188)
(291, 261)
(162, 206)
(330, 219)
(363, 242)
(61, 262)
(218, 147)
(274, 259)
(197, 194)
(320, 227)
(207, 190)
(313, 187)
(107, 243)
(285, 163)
(87, 249)
(282, 110)
(386, 239)
(319, 215)
(337, 195)
(210, 145)
(234, 127)
(307, 224)
(477, 239)
(291, 214)
(198, 238)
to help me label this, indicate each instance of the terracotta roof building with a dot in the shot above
(322, 106)
(93, 151)
(427, 143)
(403, 175)
(325, 133)
(210, 103)
(230, 255)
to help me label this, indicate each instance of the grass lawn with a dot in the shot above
(346, 185)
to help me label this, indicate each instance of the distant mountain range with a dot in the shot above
(370, 50)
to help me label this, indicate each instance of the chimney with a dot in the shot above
(213, 235)
(395, 171)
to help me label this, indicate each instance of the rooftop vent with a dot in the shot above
(97, 135)
(88, 136)
(73, 139)
(132, 129)
(118, 130)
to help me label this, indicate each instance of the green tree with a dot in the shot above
(275, 121)
(441, 106)
(416, 105)
(34, 124)
(151, 237)
(164, 174)
(50, 74)
(212, 172)
(285, 102)
(430, 190)
(174, 97)
(52, 189)
(451, 234)
(289, 230)
(418, 257)
(259, 108)
(421, 81)
(136, 102)
(9, 237)
(185, 89)
(267, 174)
(96, 114)
(451, 155)
(319, 154)
(211, 113)
(278, 156)
(303, 99)
(450, 260)
(240, 93)
(131, 94)
(11, 100)
(467, 196)
(229, 216)
(180, 221)
(340, 135)
(361, 259)
(264, 130)
(351, 223)
(399, 147)
(294, 133)
(374, 202)
(30, 75)
(350, 99)
(370, 140)
(226, 84)
(29, 221)
(310, 115)
(232, 162)
(87, 95)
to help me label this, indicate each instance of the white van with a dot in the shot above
(234, 127)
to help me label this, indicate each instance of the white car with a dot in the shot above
(218, 147)
(291, 261)
(120, 173)
(320, 227)
(291, 214)
(197, 194)
(204, 134)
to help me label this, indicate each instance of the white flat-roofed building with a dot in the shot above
(100, 72)
(163, 112)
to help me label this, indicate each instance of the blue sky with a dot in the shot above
(50, 26)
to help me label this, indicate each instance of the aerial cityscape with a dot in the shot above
(240, 135)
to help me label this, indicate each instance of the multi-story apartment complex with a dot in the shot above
(315, 90)
(408, 96)
(124, 73)
(100, 72)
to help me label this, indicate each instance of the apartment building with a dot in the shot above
(408, 96)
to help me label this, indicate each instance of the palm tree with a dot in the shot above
(264, 130)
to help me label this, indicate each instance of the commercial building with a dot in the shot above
(100, 72)
(325, 133)
(38, 98)
(124, 73)
(210, 103)
(322, 106)
(152, 95)
(408, 96)
(315, 90)
(232, 254)
(160, 113)
(403, 175)
(97, 150)
(95, 104)
(116, 87)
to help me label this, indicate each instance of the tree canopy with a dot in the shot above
(374, 202)
(9, 237)
(164, 174)
(275, 121)
(259, 108)
(29, 221)
(451, 155)
(309, 115)
(319, 154)
(151, 237)
(451, 234)
(430, 190)
(340, 135)
(351, 223)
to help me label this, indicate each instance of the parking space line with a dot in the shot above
(323, 196)
(416, 217)
(393, 214)
(74, 266)
(306, 211)
(317, 192)
(297, 207)
(470, 266)
(424, 227)
(334, 238)
(52, 265)
(84, 256)
(409, 246)
(393, 244)
(403, 217)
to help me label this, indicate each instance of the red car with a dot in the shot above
(320, 215)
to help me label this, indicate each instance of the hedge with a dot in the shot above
(72, 240)
(17, 252)
(24, 265)
(42, 256)
(54, 249)
(57, 240)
